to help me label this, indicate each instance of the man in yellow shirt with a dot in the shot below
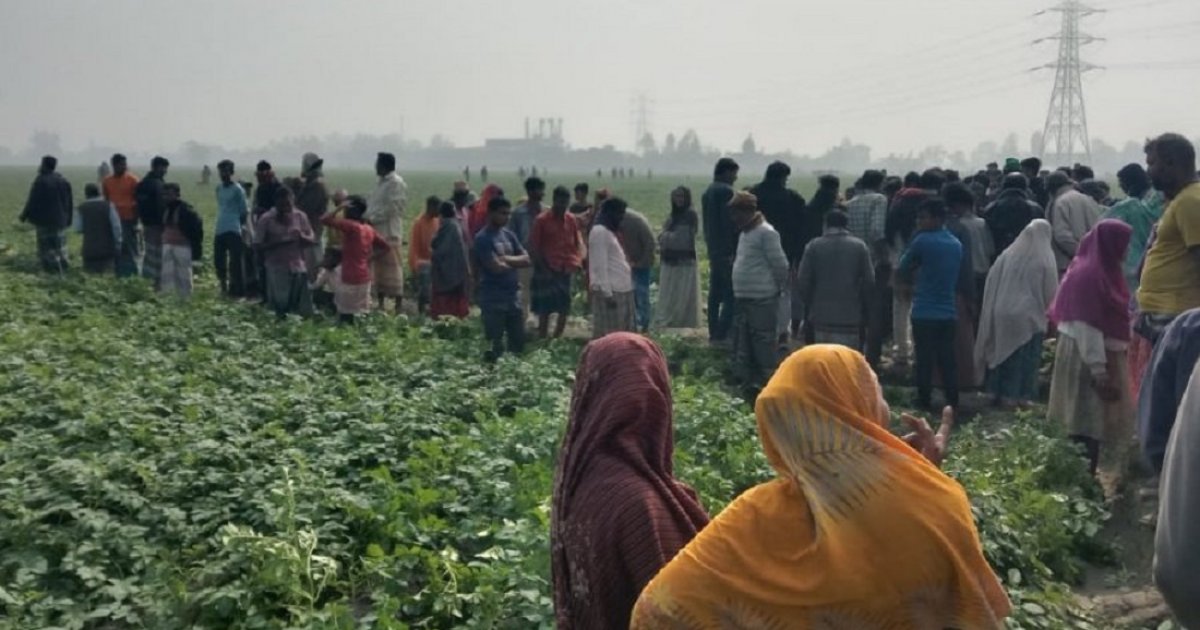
(1171, 271)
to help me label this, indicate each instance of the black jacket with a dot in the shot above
(783, 208)
(49, 204)
(902, 216)
(812, 224)
(150, 202)
(190, 223)
(1008, 215)
(720, 232)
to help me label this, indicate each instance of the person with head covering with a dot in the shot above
(1012, 323)
(1140, 210)
(312, 199)
(50, 208)
(860, 529)
(449, 267)
(1177, 537)
(1170, 369)
(678, 275)
(385, 212)
(1072, 214)
(1089, 393)
(479, 214)
(760, 275)
(618, 514)
(609, 274)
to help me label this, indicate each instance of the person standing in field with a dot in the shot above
(637, 239)
(555, 245)
(679, 275)
(49, 208)
(228, 246)
(934, 256)
(784, 209)
(385, 213)
(899, 229)
(281, 236)
(312, 199)
(96, 219)
(351, 278)
(759, 275)
(1167, 377)
(962, 204)
(102, 173)
(1089, 393)
(449, 267)
(1139, 210)
(420, 249)
(522, 225)
(1072, 214)
(866, 217)
(609, 273)
(151, 205)
(836, 280)
(182, 243)
(720, 238)
(1019, 290)
(959, 202)
(333, 239)
(120, 188)
(498, 254)
(1171, 274)
(1176, 554)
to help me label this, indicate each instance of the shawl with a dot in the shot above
(449, 265)
(857, 531)
(618, 515)
(1018, 291)
(478, 217)
(1093, 291)
(420, 240)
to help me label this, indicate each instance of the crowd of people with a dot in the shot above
(960, 279)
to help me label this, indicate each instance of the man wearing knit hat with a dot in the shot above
(760, 274)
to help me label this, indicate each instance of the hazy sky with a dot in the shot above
(896, 74)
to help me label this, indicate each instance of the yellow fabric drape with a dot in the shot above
(857, 531)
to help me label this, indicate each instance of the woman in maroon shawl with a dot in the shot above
(1089, 391)
(619, 514)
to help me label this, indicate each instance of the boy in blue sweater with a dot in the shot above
(935, 256)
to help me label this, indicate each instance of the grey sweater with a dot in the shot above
(1177, 541)
(760, 269)
(835, 277)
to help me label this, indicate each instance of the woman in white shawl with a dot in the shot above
(1020, 288)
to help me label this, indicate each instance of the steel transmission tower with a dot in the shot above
(1065, 135)
(639, 119)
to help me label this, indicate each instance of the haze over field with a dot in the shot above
(799, 75)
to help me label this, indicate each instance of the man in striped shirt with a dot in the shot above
(867, 214)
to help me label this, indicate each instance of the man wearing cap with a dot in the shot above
(50, 209)
(313, 200)
(385, 212)
(760, 274)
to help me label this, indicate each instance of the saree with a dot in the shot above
(619, 514)
(858, 530)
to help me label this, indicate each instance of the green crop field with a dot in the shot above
(201, 465)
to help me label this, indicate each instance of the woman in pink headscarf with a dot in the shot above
(1089, 392)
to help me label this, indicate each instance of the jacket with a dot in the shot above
(1072, 215)
(720, 232)
(638, 240)
(49, 204)
(902, 217)
(760, 269)
(784, 209)
(836, 276)
(99, 234)
(190, 224)
(150, 203)
(1008, 215)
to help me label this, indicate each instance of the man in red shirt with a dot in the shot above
(555, 245)
(360, 241)
(119, 189)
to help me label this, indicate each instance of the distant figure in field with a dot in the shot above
(720, 237)
(420, 249)
(759, 277)
(1072, 214)
(555, 245)
(281, 236)
(533, 171)
(1011, 212)
(351, 278)
(679, 275)
(102, 173)
(1140, 210)
(521, 172)
(205, 175)
(312, 198)
(233, 212)
(385, 213)
(637, 239)
(466, 173)
(609, 273)
(836, 279)
(614, 173)
(599, 173)
(120, 188)
(483, 173)
(783, 208)
(151, 205)
(96, 219)
(866, 216)
(182, 243)
(497, 254)
(449, 266)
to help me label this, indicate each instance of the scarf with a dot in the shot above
(857, 531)
(618, 515)
(478, 217)
(1093, 291)
(1019, 290)
(449, 266)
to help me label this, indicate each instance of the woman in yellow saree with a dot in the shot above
(858, 531)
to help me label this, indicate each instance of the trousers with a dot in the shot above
(720, 298)
(933, 342)
(228, 256)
